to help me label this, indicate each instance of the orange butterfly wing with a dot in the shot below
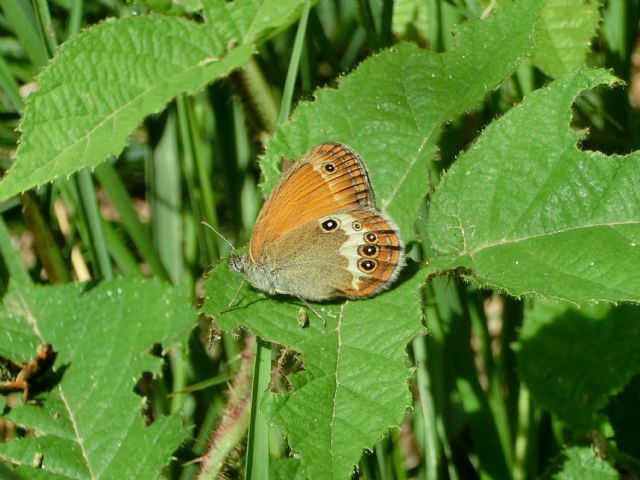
(328, 178)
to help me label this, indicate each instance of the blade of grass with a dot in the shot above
(294, 63)
(399, 471)
(16, 270)
(202, 168)
(68, 190)
(367, 21)
(22, 19)
(381, 459)
(165, 198)
(167, 226)
(139, 234)
(386, 17)
(94, 221)
(356, 44)
(494, 395)
(439, 307)
(250, 198)
(484, 433)
(431, 452)
(75, 17)
(9, 85)
(195, 172)
(257, 464)
(512, 314)
(323, 43)
(123, 258)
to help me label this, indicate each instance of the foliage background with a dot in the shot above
(142, 127)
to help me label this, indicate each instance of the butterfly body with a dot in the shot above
(319, 234)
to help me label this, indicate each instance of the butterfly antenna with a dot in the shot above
(220, 235)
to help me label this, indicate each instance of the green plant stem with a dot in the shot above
(522, 434)
(257, 96)
(257, 466)
(94, 221)
(46, 25)
(46, 246)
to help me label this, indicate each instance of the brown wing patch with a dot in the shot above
(328, 178)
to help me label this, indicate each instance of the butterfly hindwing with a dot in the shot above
(373, 249)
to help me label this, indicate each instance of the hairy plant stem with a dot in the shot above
(235, 418)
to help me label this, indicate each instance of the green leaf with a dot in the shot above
(104, 81)
(90, 425)
(581, 462)
(574, 360)
(100, 86)
(524, 210)
(355, 374)
(391, 107)
(250, 21)
(563, 38)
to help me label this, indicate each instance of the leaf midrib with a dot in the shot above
(503, 242)
(32, 320)
(53, 163)
(335, 391)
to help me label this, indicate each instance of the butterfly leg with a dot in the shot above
(235, 297)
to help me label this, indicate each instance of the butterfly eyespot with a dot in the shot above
(366, 265)
(368, 251)
(357, 226)
(370, 237)
(329, 225)
(329, 167)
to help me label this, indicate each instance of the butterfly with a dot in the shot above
(319, 234)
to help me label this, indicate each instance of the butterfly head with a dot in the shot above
(238, 263)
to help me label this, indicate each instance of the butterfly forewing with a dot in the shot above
(329, 178)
